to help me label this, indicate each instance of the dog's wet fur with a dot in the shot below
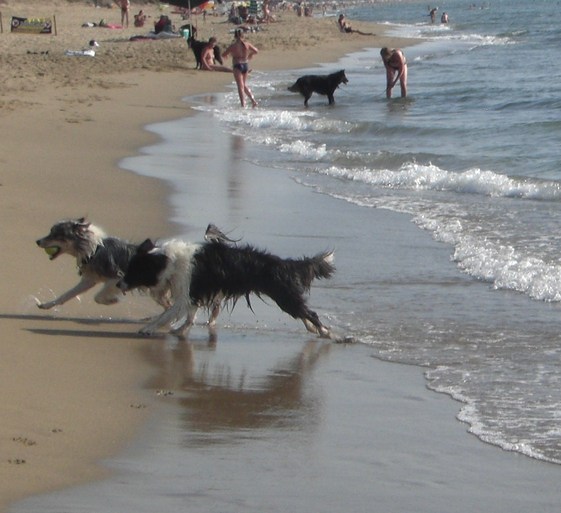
(212, 273)
(320, 84)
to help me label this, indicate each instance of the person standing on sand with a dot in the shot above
(396, 69)
(241, 52)
(125, 6)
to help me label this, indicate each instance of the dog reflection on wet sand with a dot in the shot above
(217, 398)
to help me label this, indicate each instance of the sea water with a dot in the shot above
(471, 157)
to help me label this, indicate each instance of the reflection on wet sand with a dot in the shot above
(221, 400)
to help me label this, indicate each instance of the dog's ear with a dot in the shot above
(81, 225)
(146, 246)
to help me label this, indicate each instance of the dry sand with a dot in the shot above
(71, 380)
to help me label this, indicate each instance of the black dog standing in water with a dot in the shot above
(207, 274)
(320, 84)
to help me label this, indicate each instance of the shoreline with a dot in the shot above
(69, 136)
(270, 418)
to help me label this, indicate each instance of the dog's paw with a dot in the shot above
(177, 332)
(325, 333)
(44, 306)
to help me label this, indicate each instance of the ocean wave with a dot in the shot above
(486, 248)
(283, 120)
(472, 181)
(505, 267)
(470, 414)
(514, 34)
(305, 149)
(442, 32)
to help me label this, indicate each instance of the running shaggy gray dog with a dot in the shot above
(100, 259)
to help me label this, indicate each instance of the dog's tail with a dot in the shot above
(313, 268)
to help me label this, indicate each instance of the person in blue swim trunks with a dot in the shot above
(241, 52)
(243, 67)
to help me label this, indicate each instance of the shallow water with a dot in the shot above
(471, 156)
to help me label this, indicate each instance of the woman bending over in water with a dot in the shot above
(396, 69)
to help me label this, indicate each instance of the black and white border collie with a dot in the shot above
(214, 272)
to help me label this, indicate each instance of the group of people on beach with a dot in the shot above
(241, 52)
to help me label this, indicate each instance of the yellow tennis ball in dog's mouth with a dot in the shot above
(51, 251)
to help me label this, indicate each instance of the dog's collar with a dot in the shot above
(87, 260)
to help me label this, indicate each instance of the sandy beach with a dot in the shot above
(72, 379)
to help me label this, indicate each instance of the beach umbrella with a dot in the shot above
(189, 4)
(207, 6)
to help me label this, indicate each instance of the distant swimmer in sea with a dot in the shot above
(396, 69)
(432, 14)
(444, 18)
(345, 27)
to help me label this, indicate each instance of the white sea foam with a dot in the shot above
(479, 250)
(292, 121)
(305, 148)
(507, 268)
(472, 181)
(470, 414)
(486, 257)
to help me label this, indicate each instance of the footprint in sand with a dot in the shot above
(24, 441)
